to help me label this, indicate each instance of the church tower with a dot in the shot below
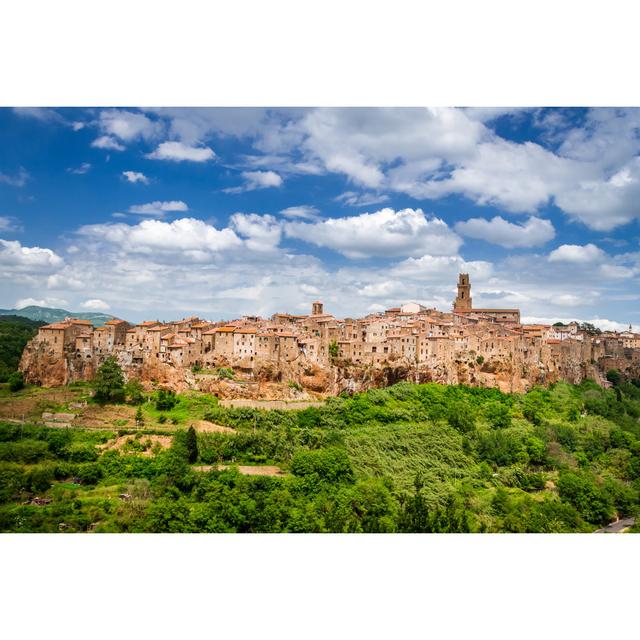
(463, 300)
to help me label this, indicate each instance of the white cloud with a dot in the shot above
(9, 224)
(604, 203)
(179, 152)
(383, 289)
(195, 239)
(85, 167)
(95, 304)
(15, 181)
(257, 180)
(301, 212)
(592, 172)
(135, 176)
(43, 302)
(366, 199)
(443, 268)
(533, 233)
(261, 233)
(577, 254)
(386, 233)
(128, 125)
(158, 208)
(107, 142)
(28, 259)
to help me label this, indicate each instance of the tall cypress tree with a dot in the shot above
(192, 445)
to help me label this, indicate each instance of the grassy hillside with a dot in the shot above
(15, 332)
(47, 315)
(409, 458)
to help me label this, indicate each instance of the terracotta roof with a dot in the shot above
(99, 328)
(56, 326)
(79, 321)
(247, 330)
(116, 321)
(226, 329)
(488, 311)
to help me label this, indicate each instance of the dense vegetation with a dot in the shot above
(409, 458)
(15, 332)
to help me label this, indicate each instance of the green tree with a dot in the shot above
(461, 416)
(498, 415)
(192, 445)
(16, 381)
(139, 417)
(109, 383)
(333, 350)
(134, 391)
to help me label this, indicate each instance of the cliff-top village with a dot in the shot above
(485, 347)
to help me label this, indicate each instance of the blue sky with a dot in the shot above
(161, 213)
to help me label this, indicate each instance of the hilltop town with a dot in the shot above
(323, 354)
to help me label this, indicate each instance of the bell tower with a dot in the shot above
(463, 301)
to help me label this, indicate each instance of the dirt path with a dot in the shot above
(211, 427)
(262, 470)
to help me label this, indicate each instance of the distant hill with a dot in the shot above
(15, 332)
(49, 315)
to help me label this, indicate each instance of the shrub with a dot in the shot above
(225, 373)
(134, 391)
(166, 400)
(614, 377)
(332, 465)
(16, 381)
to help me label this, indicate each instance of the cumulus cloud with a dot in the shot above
(592, 171)
(196, 239)
(385, 233)
(261, 233)
(107, 142)
(28, 259)
(301, 212)
(180, 152)
(158, 208)
(95, 304)
(257, 180)
(128, 125)
(533, 233)
(135, 176)
(577, 254)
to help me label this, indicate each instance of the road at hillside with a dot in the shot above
(617, 526)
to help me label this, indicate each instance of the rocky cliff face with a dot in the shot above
(293, 380)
